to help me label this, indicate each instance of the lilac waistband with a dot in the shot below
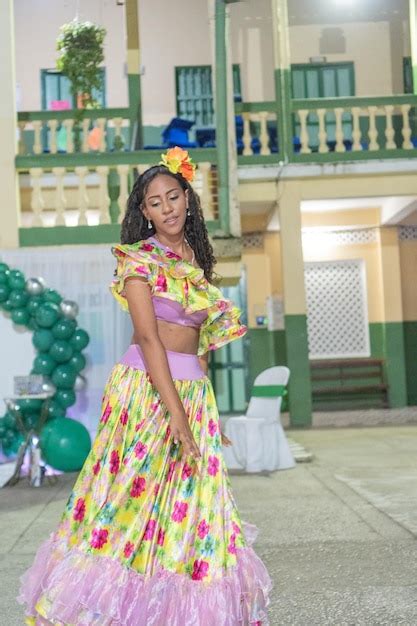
(182, 366)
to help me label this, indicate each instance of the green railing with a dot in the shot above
(65, 195)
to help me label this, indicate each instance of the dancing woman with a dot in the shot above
(151, 535)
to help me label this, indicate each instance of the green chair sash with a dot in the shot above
(269, 391)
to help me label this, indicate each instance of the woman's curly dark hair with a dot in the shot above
(135, 225)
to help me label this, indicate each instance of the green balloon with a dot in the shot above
(34, 304)
(30, 405)
(79, 340)
(7, 305)
(61, 351)
(20, 316)
(50, 295)
(4, 268)
(44, 364)
(65, 444)
(63, 329)
(64, 377)
(31, 421)
(42, 339)
(32, 324)
(3, 427)
(77, 361)
(12, 447)
(65, 397)
(47, 314)
(18, 298)
(16, 279)
(55, 409)
(9, 420)
(4, 292)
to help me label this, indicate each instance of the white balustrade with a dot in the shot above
(60, 201)
(103, 196)
(36, 202)
(82, 202)
(123, 172)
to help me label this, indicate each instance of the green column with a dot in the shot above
(222, 129)
(282, 77)
(133, 71)
(296, 339)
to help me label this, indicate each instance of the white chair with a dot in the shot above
(258, 439)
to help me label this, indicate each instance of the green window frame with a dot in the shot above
(194, 92)
(323, 80)
(56, 86)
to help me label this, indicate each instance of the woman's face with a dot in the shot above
(165, 204)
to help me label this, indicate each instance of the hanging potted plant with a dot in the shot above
(80, 45)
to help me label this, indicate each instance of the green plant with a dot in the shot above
(81, 53)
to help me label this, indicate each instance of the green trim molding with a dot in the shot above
(410, 350)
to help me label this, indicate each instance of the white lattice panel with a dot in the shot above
(341, 237)
(408, 233)
(337, 312)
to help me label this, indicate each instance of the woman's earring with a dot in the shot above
(188, 212)
(149, 224)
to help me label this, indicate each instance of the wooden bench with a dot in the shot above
(341, 379)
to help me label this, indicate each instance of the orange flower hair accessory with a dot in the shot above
(178, 161)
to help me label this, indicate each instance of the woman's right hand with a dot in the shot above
(181, 433)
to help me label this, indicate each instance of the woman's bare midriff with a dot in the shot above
(176, 337)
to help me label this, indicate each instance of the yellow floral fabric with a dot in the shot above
(169, 276)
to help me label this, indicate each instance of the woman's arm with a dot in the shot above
(141, 309)
(204, 362)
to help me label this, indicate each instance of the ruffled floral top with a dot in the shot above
(170, 276)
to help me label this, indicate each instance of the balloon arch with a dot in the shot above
(59, 343)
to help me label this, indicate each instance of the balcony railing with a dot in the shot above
(354, 128)
(78, 191)
(53, 132)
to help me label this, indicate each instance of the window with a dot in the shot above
(327, 80)
(407, 75)
(195, 93)
(55, 87)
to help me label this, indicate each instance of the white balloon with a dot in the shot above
(80, 382)
(69, 309)
(35, 286)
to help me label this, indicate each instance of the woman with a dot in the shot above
(151, 535)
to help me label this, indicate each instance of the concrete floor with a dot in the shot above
(338, 535)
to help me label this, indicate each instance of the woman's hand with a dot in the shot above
(181, 433)
(225, 440)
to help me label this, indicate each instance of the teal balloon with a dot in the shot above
(44, 364)
(3, 427)
(61, 351)
(4, 268)
(34, 304)
(47, 314)
(64, 329)
(4, 292)
(43, 339)
(64, 377)
(50, 295)
(18, 298)
(79, 340)
(55, 409)
(77, 361)
(9, 420)
(30, 405)
(12, 447)
(32, 324)
(65, 397)
(65, 444)
(7, 305)
(16, 279)
(31, 421)
(8, 438)
(20, 317)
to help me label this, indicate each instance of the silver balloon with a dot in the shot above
(69, 309)
(35, 286)
(48, 388)
(80, 382)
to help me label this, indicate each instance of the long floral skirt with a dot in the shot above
(145, 540)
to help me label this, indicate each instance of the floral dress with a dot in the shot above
(145, 540)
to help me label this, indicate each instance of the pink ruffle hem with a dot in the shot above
(83, 589)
